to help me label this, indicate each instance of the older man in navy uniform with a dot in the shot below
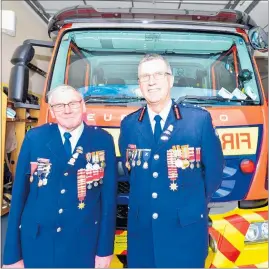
(63, 209)
(175, 161)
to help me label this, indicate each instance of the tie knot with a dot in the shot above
(67, 135)
(158, 118)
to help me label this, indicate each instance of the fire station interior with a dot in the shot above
(113, 68)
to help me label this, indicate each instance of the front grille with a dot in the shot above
(122, 215)
(123, 187)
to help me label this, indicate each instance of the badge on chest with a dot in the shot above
(181, 157)
(41, 168)
(90, 176)
(137, 157)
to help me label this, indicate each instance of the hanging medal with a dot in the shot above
(138, 163)
(172, 170)
(191, 157)
(39, 174)
(33, 169)
(102, 158)
(89, 178)
(88, 158)
(103, 165)
(198, 157)
(96, 167)
(134, 157)
(146, 156)
(185, 156)
(178, 161)
(46, 171)
(81, 186)
(127, 164)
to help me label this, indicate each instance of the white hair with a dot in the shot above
(154, 56)
(63, 88)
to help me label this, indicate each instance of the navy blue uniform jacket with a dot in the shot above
(168, 225)
(46, 227)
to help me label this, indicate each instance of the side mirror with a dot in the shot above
(258, 39)
(19, 76)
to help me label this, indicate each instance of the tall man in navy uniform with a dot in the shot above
(175, 162)
(63, 209)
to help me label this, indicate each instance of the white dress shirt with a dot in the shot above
(164, 114)
(75, 135)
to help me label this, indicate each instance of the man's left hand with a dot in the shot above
(103, 262)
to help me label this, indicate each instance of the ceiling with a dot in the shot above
(257, 9)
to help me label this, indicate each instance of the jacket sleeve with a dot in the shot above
(212, 157)
(108, 203)
(20, 191)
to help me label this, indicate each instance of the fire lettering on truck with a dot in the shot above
(239, 141)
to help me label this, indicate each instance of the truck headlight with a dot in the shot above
(257, 232)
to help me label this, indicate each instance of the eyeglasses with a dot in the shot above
(61, 107)
(157, 76)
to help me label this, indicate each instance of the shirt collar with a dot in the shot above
(164, 113)
(75, 133)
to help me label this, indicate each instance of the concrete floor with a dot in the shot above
(3, 234)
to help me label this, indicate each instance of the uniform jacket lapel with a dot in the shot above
(145, 129)
(56, 145)
(83, 140)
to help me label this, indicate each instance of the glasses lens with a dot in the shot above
(159, 75)
(58, 107)
(74, 104)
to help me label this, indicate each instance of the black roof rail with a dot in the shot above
(87, 13)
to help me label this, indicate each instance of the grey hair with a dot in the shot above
(154, 56)
(62, 88)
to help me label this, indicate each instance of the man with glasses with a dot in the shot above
(174, 160)
(63, 209)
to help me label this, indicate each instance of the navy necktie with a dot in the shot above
(158, 128)
(67, 144)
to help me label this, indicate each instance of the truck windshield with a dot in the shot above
(208, 68)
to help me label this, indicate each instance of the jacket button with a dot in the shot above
(65, 174)
(156, 157)
(61, 211)
(62, 191)
(154, 195)
(155, 215)
(59, 229)
(155, 174)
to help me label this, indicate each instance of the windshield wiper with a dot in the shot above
(112, 99)
(207, 99)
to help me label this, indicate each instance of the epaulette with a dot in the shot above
(176, 112)
(142, 113)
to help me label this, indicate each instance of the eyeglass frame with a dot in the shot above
(68, 104)
(154, 74)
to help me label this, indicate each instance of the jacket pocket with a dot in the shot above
(190, 215)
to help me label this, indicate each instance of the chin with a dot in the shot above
(154, 101)
(70, 125)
